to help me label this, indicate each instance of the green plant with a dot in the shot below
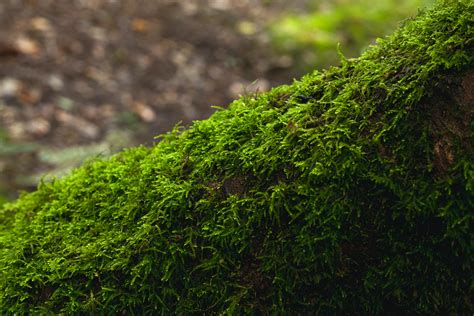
(348, 192)
(313, 38)
(3, 199)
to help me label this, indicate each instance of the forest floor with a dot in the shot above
(82, 78)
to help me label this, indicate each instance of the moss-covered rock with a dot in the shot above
(349, 191)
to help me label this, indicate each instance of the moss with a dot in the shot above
(345, 192)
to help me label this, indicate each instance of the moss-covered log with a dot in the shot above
(349, 191)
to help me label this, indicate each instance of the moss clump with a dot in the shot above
(349, 191)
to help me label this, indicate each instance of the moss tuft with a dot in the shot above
(349, 191)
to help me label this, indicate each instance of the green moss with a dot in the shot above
(349, 191)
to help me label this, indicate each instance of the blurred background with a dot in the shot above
(85, 78)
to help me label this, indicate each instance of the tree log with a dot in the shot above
(349, 191)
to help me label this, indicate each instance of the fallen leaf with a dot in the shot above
(38, 127)
(29, 96)
(41, 24)
(9, 87)
(144, 111)
(247, 28)
(84, 127)
(27, 46)
(141, 25)
(55, 82)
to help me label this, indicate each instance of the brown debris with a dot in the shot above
(8, 50)
(73, 73)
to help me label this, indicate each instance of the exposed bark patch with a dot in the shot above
(451, 111)
(443, 152)
(467, 88)
(251, 276)
(235, 185)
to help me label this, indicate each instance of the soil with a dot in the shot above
(81, 78)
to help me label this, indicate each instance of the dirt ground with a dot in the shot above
(81, 78)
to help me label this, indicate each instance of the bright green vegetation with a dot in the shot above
(3, 198)
(313, 37)
(349, 191)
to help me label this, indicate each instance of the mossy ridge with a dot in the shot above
(322, 196)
